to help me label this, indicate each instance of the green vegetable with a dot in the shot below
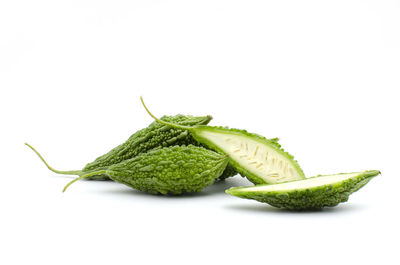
(308, 194)
(230, 171)
(170, 170)
(253, 156)
(156, 135)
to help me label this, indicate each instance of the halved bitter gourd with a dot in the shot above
(253, 156)
(308, 194)
(230, 171)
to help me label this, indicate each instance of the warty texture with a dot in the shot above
(170, 170)
(156, 135)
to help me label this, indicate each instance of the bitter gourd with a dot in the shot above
(169, 170)
(308, 194)
(230, 171)
(156, 135)
(253, 156)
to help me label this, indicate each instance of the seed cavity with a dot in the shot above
(263, 160)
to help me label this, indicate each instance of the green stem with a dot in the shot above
(165, 122)
(84, 176)
(69, 172)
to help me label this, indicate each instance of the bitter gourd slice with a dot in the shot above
(156, 135)
(170, 170)
(230, 171)
(253, 156)
(308, 194)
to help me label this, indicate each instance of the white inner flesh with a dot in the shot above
(303, 184)
(256, 157)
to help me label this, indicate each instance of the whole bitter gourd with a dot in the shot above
(169, 170)
(308, 194)
(156, 135)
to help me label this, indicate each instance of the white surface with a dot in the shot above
(261, 159)
(321, 75)
(306, 183)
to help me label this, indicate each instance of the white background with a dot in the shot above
(321, 75)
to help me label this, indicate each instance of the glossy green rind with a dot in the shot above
(303, 197)
(156, 135)
(240, 168)
(170, 170)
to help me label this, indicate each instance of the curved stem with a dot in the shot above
(69, 172)
(165, 122)
(84, 176)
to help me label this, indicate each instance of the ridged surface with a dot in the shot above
(156, 135)
(308, 199)
(170, 170)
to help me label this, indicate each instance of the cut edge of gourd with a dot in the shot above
(291, 186)
(249, 171)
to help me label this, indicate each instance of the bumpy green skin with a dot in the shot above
(170, 170)
(156, 135)
(308, 199)
(273, 143)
